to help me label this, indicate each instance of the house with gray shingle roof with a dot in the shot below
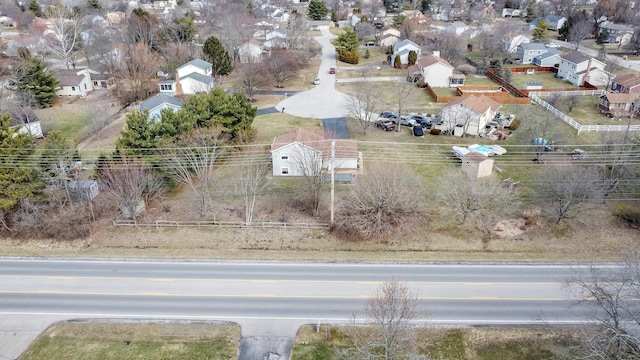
(74, 82)
(402, 49)
(527, 51)
(578, 69)
(159, 102)
(191, 78)
(616, 33)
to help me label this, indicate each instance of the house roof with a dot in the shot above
(198, 77)
(622, 98)
(157, 100)
(405, 42)
(628, 80)
(477, 103)
(547, 55)
(345, 148)
(197, 63)
(412, 13)
(576, 58)
(474, 157)
(429, 60)
(618, 27)
(553, 18)
(458, 24)
(69, 78)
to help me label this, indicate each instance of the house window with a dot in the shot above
(284, 156)
(165, 87)
(73, 88)
(85, 86)
(284, 171)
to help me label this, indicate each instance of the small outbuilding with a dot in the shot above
(477, 165)
(83, 190)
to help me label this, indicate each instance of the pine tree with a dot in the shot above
(216, 54)
(367, 54)
(397, 63)
(508, 75)
(499, 69)
(348, 40)
(138, 134)
(34, 7)
(32, 80)
(540, 32)
(317, 10)
(18, 176)
(413, 57)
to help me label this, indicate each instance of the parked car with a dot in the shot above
(332, 70)
(407, 121)
(417, 131)
(387, 114)
(386, 125)
(578, 154)
(316, 81)
(423, 120)
(552, 45)
(370, 43)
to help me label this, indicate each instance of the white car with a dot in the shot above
(552, 45)
(497, 149)
(316, 81)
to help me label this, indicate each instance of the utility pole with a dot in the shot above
(333, 157)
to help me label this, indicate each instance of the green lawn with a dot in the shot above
(113, 341)
(548, 79)
(476, 80)
(75, 123)
(268, 126)
(418, 100)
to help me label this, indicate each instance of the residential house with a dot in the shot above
(481, 13)
(511, 12)
(549, 59)
(513, 41)
(471, 112)
(555, 22)
(190, 78)
(415, 15)
(276, 38)
(449, 13)
(402, 49)
(300, 151)
(456, 27)
(470, 33)
(476, 165)
(250, 51)
(436, 72)
(388, 37)
(527, 52)
(629, 84)
(74, 82)
(578, 69)
(616, 33)
(101, 79)
(159, 102)
(618, 104)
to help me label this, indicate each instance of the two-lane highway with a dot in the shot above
(460, 294)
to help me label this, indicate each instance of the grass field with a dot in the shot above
(548, 79)
(418, 100)
(459, 344)
(149, 341)
(75, 123)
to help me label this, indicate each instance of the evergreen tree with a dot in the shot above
(540, 32)
(367, 54)
(532, 11)
(138, 134)
(32, 80)
(499, 69)
(602, 53)
(18, 177)
(398, 20)
(413, 57)
(425, 5)
(34, 7)
(93, 4)
(317, 10)
(508, 75)
(216, 54)
(397, 63)
(348, 40)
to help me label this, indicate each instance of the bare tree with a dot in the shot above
(610, 294)
(391, 315)
(134, 68)
(382, 200)
(65, 41)
(251, 182)
(572, 102)
(362, 104)
(539, 129)
(282, 66)
(569, 191)
(403, 88)
(309, 162)
(252, 76)
(192, 162)
(298, 32)
(451, 46)
(128, 184)
(234, 27)
(579, 31)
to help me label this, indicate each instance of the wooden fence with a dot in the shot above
(221, 224)
(512, 89)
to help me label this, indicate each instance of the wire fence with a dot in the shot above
(220, 224)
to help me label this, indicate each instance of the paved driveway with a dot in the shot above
(323, 101)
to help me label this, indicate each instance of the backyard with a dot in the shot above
(547, 78)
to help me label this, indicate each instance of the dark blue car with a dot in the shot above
(417, 130)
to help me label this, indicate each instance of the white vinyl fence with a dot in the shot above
(227, 224)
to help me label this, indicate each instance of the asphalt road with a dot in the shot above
(274, 299)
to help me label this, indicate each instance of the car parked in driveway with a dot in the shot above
(407, 121)
(387, 114)
(417, 131)
(386, 124)
(316, 81)
(423, 120)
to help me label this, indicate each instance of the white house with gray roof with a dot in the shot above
(191, 78)
(402, 49)
(616, 33)
(155, 104)
(578, 69)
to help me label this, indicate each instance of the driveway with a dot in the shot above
(323, 101)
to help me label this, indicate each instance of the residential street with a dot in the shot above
(323, 101)
(270, 300)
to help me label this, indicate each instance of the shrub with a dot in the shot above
(421, 84)
(629, 214)
(367, 54)
(349, 57)
(397, 63)
(515, 124)
(435, 131)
